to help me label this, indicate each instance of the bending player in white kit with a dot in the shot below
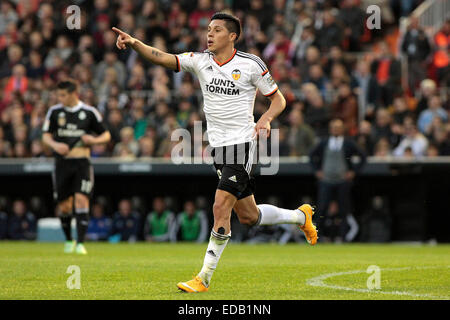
(229, 80)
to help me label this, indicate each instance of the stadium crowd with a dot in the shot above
(327, 63)
(325, 60)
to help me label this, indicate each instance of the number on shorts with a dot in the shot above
(86, 186)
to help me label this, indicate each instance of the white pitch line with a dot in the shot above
(319, 282)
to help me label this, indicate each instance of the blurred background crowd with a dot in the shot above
(391, 89)
(326, 61)
(133, 219)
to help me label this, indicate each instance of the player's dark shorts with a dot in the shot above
(234, 165)
(72, 176)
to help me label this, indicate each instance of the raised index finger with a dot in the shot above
(118, 31)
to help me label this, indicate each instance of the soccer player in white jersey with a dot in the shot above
(229, 80)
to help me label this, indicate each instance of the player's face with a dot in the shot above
(218, 36)
(66, 98)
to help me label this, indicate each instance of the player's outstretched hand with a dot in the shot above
(123, 39)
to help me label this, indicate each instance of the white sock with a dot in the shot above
(270, 215)
(217, 243)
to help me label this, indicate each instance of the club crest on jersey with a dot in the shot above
(61, 119)
(82, 115)
(236, 74)
(270, 80)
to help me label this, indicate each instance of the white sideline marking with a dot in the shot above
(319, 282)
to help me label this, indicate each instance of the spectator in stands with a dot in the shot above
(317, 77)
(383, 127)
(138, 118)
(317, 113)
(401, 110)
(18, 82)
(365, 139)
(387, 71)
(34, 67)
(63, 50)
(427, 89)
(441, 56)
(105, 88)
(127, 140)
(339, 76)
(137, 79)
(301, 46)
(160, 223)
(22, 223)
(441, 138)
(279, 45)
(335, 56)
(367, 88)
(37, 149)
(284, 149)
(332, 165)
(201, 15)
(99, 151)
(433, 111)
(5, 149)
(416, 47)
(191, 224)
(382, 148)
(330, 34)
(115, 124)
(184, 112)
(301, 137)
(432, 150)
(312, 57)
(125, 222)
(99, 227)
(13, 57)
(8, 15)
(353, 19)
(264, 16)
(413, 142)
(345, 107)
(253, 34)
(146, 147)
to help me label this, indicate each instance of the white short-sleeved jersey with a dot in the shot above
(229, 91)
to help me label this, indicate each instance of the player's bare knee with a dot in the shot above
(248, 220)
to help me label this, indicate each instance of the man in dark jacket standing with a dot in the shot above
(331, 162)
(416, 46)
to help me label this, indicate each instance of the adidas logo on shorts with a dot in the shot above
(233, 178)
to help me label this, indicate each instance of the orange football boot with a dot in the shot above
(309, 228)
(194, 285)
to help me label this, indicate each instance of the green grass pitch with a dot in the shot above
(255, 272)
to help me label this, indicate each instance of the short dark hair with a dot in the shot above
(232, 23)
(69, 85)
